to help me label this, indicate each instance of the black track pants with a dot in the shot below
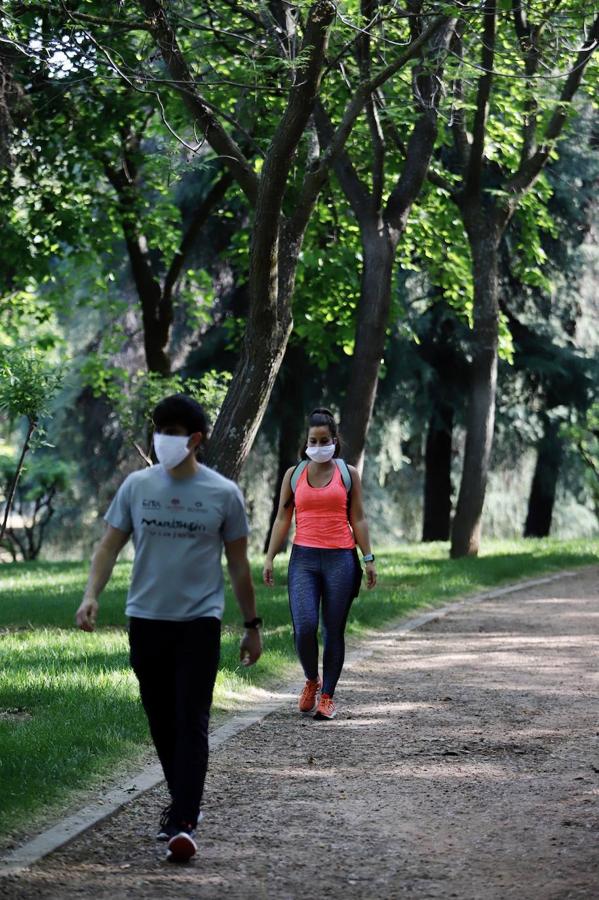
(176, 665)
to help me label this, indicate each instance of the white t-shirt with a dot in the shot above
(178, 527)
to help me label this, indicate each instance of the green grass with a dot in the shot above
(78, 713)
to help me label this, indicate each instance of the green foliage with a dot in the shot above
(519, 110)
(134, 395)
(28, 384)
(532, 224)
(584, 435)
(64, 267)
(41, 475)
(435, 242)
(42, 482)
(328, 283)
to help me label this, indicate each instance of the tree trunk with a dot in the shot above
(437, 478)
(289, 410)
(378, 244)
(480, 422)
(13, 485)
(380, 234)
(544, 482)
(247, 397)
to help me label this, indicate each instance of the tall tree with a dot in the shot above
(277, 235)
(90, 131)
(278, 173)
(382, 204)
(552, 360)
(441, 347)
(156, 291)
(489, 181)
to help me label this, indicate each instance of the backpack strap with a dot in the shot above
(347, 481)
(295, 477)
(297, 473)
(345, 474)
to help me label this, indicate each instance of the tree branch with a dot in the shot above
(441, 182)
(528, 40)
(434, 177)
(427, 92)
(360, 199)
(485, 81)
(291, 127)
(458, 120)
(531, 168)
(284, 29)
(521, 25)
(220, 141)
(83, 18)
(31, 426)
(316, 178)
(369, 10)
(244, 11)
(201, 214)
(156, 317)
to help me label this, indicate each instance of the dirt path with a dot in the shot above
(464, 764)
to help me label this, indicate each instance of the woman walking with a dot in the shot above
(323, 568)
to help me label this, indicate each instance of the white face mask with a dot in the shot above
(171, 449)
(321, 454)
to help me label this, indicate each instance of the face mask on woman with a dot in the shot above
(171, 449)
(321, 454)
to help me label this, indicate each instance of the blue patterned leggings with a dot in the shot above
(330, 576)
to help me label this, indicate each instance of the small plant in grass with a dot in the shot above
(28, 385)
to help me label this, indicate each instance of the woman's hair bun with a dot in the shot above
(322, 411)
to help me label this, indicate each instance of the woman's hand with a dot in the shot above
(370, 575)
(267, 572)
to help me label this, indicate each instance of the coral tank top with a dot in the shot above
(321, 514)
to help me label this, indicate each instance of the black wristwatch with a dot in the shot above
(254, 623)
(368, 558)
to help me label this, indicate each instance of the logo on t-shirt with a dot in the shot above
(151, 504)
(173, 528)
(174, 504)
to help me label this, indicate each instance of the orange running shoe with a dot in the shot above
(326, 708)
(307, 700)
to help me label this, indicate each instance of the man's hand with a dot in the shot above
(87, 614)
(250, 649)
(268, 573)
(112, 542)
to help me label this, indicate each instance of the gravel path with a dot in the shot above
(464, 763)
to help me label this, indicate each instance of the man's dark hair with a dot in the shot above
(179, 409)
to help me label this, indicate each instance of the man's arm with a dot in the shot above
(243, 588)
(102, 564)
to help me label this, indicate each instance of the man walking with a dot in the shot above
(180, 513)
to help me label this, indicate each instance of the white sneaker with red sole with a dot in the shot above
(181, 847)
